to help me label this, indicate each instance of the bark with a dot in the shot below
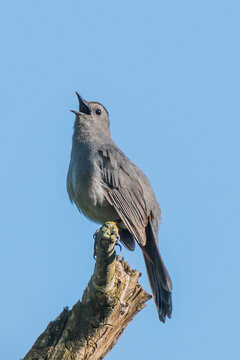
(112, 298)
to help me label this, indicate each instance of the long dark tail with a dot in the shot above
(160, 282)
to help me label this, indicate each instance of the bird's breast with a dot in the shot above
(87, 188)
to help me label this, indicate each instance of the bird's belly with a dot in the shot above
(100, 213)
(89, 198)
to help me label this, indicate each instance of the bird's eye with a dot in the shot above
(98, 111)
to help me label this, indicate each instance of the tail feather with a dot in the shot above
(160, 282)
(127, 239)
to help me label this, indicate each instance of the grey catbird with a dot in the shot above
(106, 186)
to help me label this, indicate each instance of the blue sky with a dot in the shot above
(168, 73)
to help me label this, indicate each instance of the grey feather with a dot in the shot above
(106, 186)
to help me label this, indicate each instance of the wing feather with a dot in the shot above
(123, 190)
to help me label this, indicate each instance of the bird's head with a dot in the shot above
(92, 119)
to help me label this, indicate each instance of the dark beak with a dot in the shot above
(83, 107)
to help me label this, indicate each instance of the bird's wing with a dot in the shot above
(123, 190)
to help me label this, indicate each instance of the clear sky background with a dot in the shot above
(168, 73)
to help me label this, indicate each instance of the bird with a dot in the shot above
(106, 185)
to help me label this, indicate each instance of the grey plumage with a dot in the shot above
(106, 186)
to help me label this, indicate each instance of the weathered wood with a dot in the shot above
(111, 300)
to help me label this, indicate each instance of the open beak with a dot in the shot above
(83, 107)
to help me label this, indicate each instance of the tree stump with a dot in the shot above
(112, 298)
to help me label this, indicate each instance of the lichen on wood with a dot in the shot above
(112, 298)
